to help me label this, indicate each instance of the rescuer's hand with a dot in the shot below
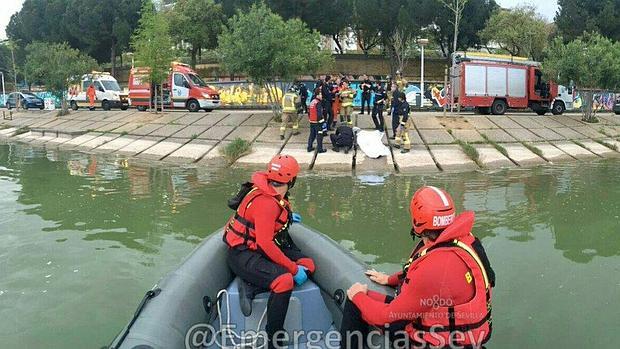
(378, 277)
(355, 289)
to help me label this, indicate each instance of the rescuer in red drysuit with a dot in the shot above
(260, 251)
(443, 293)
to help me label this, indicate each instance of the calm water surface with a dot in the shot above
(82, 237)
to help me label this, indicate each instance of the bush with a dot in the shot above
(236, 149)
(470, 151)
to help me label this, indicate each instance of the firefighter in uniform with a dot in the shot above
(260, 251)
(347, 95)
(318, 124)
(402, 132)
(443, 297)
(377, 109)
(291, 103)
(395, 108)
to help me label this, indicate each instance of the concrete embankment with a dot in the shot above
(461, 143)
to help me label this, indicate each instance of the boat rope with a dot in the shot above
(247, 341)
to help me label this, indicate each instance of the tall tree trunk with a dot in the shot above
(337, 42)
(193, 52)
(456, 30)
(113, 60)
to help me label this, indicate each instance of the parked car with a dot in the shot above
(25, 100)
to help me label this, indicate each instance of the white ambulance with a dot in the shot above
(109, 93)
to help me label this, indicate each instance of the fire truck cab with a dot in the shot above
(108, 93)
(494, 83)
(183, 89)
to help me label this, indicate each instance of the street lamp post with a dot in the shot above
(3, 91)
(422, 43)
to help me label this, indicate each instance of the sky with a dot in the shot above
(546, 8)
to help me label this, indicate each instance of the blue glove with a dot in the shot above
(301, 276)
(324, 128)
(296, 217)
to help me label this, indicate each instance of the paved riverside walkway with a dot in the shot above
(512, 140)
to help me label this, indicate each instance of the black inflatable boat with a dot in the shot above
(197, 305)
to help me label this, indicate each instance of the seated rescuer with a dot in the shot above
(443, 293)
(343, 138)
(260, 250)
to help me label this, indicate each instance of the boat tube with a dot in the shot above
(197, 305)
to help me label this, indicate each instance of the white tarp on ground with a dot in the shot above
(370, 142)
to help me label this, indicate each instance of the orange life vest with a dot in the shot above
(240, 228)
(473, 319)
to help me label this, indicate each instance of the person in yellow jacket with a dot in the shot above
(400, 81)
(291, 102)
(347, 95)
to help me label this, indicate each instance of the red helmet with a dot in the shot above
(282, 169)
(431, 209)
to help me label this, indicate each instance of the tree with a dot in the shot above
(456, 7)
(592, 62)
(153, 47)
(441, 28)
(198, 23)
(399, 37)
(520, 32)
(367, 23)
(261, 45)
(576, 17)
(102, 28)
(58, 66)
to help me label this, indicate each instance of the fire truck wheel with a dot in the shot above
(558, 108)
(105, 105)
(193, 105)
(499, 107)
(141, 108)
(208, 110)
(74, 105)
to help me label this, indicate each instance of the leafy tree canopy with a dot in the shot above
(575, 17)
(520, 32)
(198, 23)
(57, 66)
(152, 44)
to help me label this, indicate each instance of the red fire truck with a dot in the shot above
(494, 83)
(183, 89)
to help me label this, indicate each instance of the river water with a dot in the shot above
(82, 237)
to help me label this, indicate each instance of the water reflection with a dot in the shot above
(135, 206)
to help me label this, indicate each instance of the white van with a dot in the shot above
(109, 93)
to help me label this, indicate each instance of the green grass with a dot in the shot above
(607, 144)
(21, 130)
(470, 151)
(602, 130)
(236, 149)
(495, 145)
(124, 133)
(579, 144)
(194, 136)
(534, 149)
